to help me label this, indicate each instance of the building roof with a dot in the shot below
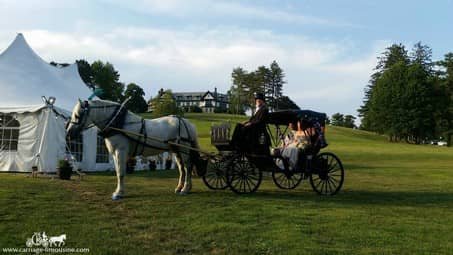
(200, 94)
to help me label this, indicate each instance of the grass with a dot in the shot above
(397, 199)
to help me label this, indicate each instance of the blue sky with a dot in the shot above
(327, 48)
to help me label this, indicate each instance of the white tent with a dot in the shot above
(31, 133)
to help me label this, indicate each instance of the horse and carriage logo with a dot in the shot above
(41, 239)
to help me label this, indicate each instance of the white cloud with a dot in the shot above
(225, 9)
(320, 74)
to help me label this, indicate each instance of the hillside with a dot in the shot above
(396, 199)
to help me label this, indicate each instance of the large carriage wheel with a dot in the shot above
(215, 176)
(287, 179)
(243, 176)
(327, 174)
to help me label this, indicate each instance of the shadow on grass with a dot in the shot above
(344, 197)
(145, 174)
(362, 197)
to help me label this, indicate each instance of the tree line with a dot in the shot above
(409, 97)
(106, 77)
(266, 80)
(342, 120)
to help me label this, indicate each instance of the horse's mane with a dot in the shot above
(104, 101)
(108, 102)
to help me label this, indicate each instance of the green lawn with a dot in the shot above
(396, 199)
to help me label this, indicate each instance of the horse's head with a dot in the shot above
(79, 119)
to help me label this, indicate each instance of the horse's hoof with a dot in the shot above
(116, 197)
(183, 193)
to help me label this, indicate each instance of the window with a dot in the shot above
(102, 154)
(75, 147)
(9, 132)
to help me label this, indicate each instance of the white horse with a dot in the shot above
(57, 240)
(109, 117)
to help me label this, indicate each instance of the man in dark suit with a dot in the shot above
(249, 132)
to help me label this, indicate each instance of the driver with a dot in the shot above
(254, 126)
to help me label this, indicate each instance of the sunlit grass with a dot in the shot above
(397, 199)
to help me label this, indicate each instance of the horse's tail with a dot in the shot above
(195, 157)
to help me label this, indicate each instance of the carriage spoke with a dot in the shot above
(330, 187)
(335, 181)
(320, 181)
(248, 184)
(331, 167)
(334, 185)
(322, 185)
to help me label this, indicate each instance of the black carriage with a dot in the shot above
(241, 168)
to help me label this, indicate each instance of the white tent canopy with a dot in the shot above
(32, 133)
(41, 139)
(25, 77)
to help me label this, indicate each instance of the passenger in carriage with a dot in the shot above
(295, 143)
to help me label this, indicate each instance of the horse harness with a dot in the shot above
(117, 121)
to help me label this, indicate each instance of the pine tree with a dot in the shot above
(394, 54)
(275, 88)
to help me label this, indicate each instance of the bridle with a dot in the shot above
(82, 117)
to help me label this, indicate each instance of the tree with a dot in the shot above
(164, 104)
(400, 98)
(422, 55)
(444, 98)
(106, 77)
(239, 93)
(394, 54)
(275, 87)
(268, 81)
(86, 72)
(285, 103)
(419, 104)
(349, 121)
(337, 119)
(137, 102)
(342, 120)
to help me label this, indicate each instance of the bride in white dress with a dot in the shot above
(294, 143)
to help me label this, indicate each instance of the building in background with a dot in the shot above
(205, 101)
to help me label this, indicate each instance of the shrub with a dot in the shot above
(64, 170)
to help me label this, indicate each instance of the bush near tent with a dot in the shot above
(64, 170)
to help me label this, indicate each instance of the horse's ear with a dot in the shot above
(80, 101)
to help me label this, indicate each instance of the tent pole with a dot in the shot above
(41, 142)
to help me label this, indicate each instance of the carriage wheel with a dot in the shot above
(243, 176)
(215, 176)
(327, 174)
(287, 179)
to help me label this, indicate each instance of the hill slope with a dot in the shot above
(397, 199)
